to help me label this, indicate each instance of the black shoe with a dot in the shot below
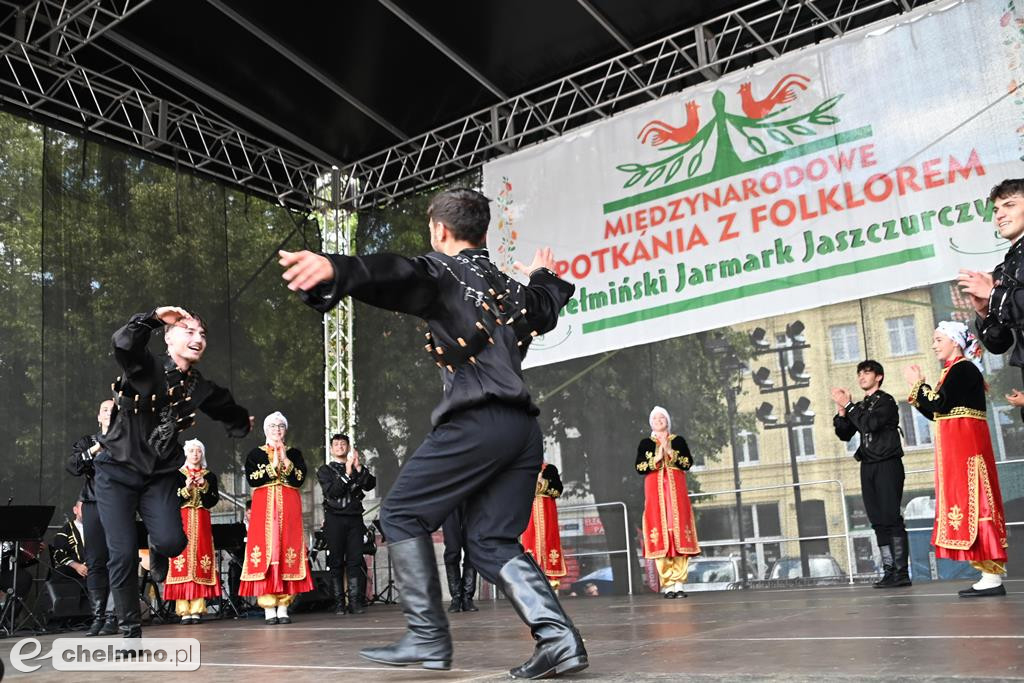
(98, 603)
(454, 587)
(357, 594)
(468, 589)
(338, 586)
(284, 620)
(109, 626)
(972, 592)
(272, 621)
(428, 641)
(158, 565)
(901, 561)
(559, 648)
(669, 595)
(888, 568)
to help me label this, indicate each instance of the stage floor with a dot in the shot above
(837, 633)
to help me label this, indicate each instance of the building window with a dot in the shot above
(917, 429)
(845, 343)
(803, 441)
(791, 356)
(902, 335)
(747, 444)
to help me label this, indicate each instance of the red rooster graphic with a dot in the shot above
(780, 94)
(660, 132)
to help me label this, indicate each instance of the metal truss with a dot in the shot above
(41, 78)
(338, 229)
(763, 29)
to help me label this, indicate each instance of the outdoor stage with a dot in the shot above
(836, 633)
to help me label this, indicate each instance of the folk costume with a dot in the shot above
(880, 453)
(485, 448)
(969, 522)
(276, 557)
(344, 530)
(542, 538)
(138, 469)
(97, 581)
(669, 529)
(192, 576)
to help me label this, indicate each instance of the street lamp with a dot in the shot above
(794, 376)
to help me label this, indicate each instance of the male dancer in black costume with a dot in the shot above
(485, 448)
(80, 464)
(137, 471)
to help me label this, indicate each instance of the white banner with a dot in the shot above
(858, 167)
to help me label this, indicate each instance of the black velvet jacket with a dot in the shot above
(205, 496)
(549, 484)
(145, 404)
(679, 459)
(877, 418)
(259, 472)
(343, 494)
(455, 294)
(962, 393)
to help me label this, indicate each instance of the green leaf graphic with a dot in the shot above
(674, 168)
(800, 129)
(694, 164)
(757, 144)
(779, 136)
(658, 172)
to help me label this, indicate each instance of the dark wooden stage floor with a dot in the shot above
(825, 634)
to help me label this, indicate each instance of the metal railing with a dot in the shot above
(625, 528)
(842, 498)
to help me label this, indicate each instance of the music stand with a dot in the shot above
(389, 594)
(227, 538)
(21, 523)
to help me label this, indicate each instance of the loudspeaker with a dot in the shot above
(64, 600)
(319, 598)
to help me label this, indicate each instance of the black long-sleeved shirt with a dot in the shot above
(144, 398)
(1003, 327)
(79, 464)
(449, 292)
(343, 493)
(877, 420)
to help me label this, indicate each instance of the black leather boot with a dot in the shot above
(888, 568)
(110, 625)
(428, 641)
(357, 593)
(901, 561)
(338, 586)
(468, 589)
(559, 648)
(454, 587)
(126, 605)
(158, 565)
(98, 603)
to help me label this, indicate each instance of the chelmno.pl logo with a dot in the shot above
(113, 654)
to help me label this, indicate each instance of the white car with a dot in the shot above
(713, 574)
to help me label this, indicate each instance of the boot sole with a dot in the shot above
(432, 664)
(567, 666)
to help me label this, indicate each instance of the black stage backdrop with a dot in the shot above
(90, 235)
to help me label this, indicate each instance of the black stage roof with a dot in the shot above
(336, 83)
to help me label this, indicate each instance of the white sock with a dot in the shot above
(269, 612)
(679, 588)
(988, 581)
(282, 611)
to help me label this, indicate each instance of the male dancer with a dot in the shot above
(486, 448)
(344, 481)
(877, 420)
(80, 464)
(998, 298)
(156, 398)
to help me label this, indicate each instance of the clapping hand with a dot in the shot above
(913, 374)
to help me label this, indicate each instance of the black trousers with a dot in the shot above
(454, 531)
(121, 492)
(96, 555)
(487, 457)
(344, 544)
(881, 484)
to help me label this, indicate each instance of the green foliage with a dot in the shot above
(89, 236)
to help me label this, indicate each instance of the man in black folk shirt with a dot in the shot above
(880, 453)
(137, 470)
(344, 481)
(485, 448)
(80, 464)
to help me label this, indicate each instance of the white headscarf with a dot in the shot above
(202, 448)
(658, 410)
(962, 337)
(275, 416)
